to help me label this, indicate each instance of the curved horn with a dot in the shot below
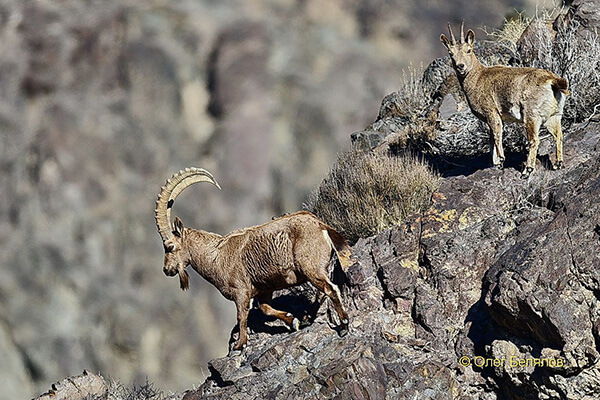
(451, 34)
(462, 32)
(169, 193)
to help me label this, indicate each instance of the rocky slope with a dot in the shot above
(497, 269)
(101, 100)
(492, 293)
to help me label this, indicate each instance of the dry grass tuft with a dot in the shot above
(412, 93)
(367, 192)
(511, 30)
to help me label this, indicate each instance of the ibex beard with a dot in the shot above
(252, 262)
(495, 94)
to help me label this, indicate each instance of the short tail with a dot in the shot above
(560, 84)
(341, 247)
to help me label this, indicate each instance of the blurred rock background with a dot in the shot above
(101, 101)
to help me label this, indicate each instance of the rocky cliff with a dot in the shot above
(492, 294)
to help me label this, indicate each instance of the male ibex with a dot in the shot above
(532, 96)
(252, 262)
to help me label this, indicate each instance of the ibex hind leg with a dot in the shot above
(532, 126)
(331, 290)
(553, 126)
(313, 260)
(265, 307)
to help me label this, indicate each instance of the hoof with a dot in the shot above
(234, 353)
(499, 166)
(296, 325)
(558, 165)
(526, 173)
(237, 349)
(343, 331)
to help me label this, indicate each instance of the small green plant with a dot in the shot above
(367, 192)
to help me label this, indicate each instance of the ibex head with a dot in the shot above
(176, 256)
(176, 253)
(461, 53)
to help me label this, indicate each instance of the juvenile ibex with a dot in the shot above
(252, 262)
(529, 95)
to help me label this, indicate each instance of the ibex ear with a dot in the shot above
(178, 227)
(470, 37)
(445, 41)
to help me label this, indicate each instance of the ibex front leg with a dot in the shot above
(495, 124)
(242, 303)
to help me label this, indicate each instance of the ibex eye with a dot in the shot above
(169, 248)
(469, 51)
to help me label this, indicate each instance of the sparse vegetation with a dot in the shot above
(144, 391)
(511, 31)
(367, 192)
(411, 96)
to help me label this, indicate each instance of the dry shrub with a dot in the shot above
(367, 192)
(511, 31)
(578, 59)
(412, 92)
(117, 391)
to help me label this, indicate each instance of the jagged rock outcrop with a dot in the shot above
(497, 269)
(78, 387)
(587, 13)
